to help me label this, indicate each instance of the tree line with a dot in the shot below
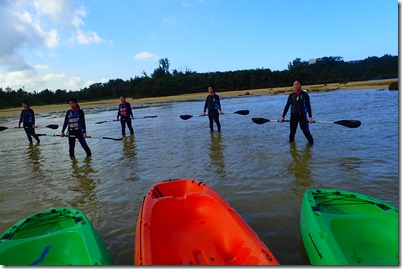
(163, 82)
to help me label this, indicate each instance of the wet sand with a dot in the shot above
(373, 84)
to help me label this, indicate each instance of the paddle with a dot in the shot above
(135, 118)
(346, 123)
(51, 126)
(88, 136)
(240, 112)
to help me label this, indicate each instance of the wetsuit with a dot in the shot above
(214, 106)
(75, 120)
(125, 113)
(27, 118)
(299, 104)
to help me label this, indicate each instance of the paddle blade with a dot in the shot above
(185, 117)
(53, 126)
(100, 122)
(2, 128)
(349, 123)
(242, 112)
(145, 117)
(260, 120)
(111, 138)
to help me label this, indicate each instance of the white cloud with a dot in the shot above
(146, 56)
(31, 28)
(88, 37)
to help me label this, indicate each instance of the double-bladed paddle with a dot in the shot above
(346, 123)
(88, 136)
(240, 112)
(51, 126)
(135, 118)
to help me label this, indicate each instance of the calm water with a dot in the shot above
(252, 166)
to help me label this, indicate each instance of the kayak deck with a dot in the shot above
(61, 236)
(185, 222)
(347, 228)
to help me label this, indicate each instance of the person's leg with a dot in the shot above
(85, 146)
(293, 128)
(26, 129)
(211, 122)
(123, 125)
(71, 144)
(305, 127)
(216, 119)
(32, 131)
(129, 125)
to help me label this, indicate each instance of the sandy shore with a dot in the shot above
(374, 84)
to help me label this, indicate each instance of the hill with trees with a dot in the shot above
(163, 82)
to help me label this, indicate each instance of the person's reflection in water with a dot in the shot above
(300, 167)
(216, 154)
(86, 185)
(129, 147)
(35, 160)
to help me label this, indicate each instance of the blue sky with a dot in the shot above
(71, 44)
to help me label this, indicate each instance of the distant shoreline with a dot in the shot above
(372, 84)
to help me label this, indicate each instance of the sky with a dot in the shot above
(71, 44)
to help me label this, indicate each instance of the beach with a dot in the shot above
(372, 84)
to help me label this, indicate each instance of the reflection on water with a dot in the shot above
(85, 188)
(216, 154)
(34, 160)
(300, 167)
(129, 147)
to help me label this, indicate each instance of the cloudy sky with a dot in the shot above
(71, 44)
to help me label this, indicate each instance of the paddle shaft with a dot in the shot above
(346, 123)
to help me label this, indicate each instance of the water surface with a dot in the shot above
(253, 167)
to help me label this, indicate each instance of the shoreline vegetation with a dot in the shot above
(137, 103)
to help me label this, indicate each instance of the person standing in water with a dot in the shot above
(213, 104)
(75, 120)
(27, 118)
(299, 104)
(125, 113)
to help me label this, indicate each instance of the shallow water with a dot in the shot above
(253, 167)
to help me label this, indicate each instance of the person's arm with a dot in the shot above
(308, 106)
(64, 124)
(33, 118)
(118, 113)
(286, 108)
(19, 123)
(218, 102)
(205, 106)
(129, 110)
(82, 118)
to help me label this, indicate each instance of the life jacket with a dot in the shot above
(123, 109)
(27, 116)
(74, 120)
(298, 104)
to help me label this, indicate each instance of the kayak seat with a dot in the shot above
(196, 225)
(367, 241)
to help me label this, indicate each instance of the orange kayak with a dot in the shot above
(185, 222)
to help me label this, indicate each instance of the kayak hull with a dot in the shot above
(185, 222)
(59, 236)
(348, 228)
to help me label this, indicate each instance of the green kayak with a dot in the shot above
(59, 236)
(348, 228)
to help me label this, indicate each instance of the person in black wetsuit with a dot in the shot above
(299, 104)
(27, 118)
(75, 120)
(214, 109)
(125, 113)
